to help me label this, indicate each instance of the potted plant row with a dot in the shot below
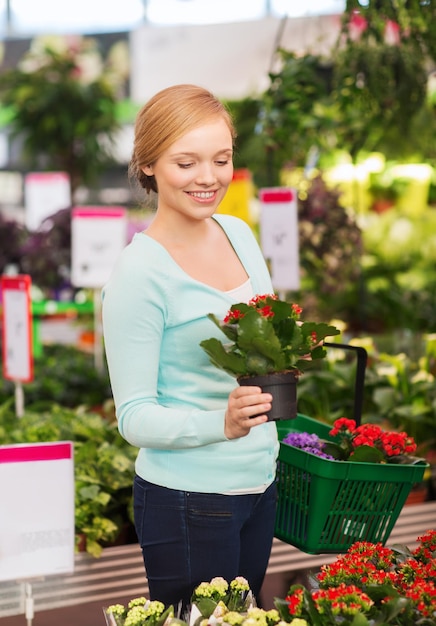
(368, 585)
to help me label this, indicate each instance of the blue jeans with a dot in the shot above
(188, 537)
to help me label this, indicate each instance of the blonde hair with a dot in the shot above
(169, 115)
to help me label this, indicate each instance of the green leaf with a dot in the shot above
(282, 607)
(230, 330)
(359, 620)
(367, 454)
(206, 606)
(335, 450)
(230, 362)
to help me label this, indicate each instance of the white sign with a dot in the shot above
(279, 236)
(11, 187)
(17, 328)
(37, 510)
(45, 193)
(98, 235)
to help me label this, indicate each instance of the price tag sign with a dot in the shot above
(45, 193)
(17, 328)
(37, 510)
(98, 235)
(279, 236)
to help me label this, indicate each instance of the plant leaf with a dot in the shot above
(367, 454)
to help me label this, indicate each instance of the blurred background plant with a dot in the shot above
(46, 253)
(62, 101)
(13, 234)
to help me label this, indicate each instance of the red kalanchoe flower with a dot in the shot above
(295, 602)
(426, 552)
(343, 424)
(266, 311)
(342, 600)
(388, 443)
(233, 316)
(263, 298)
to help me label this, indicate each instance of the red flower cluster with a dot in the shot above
(233, 316)
(390, 443)
(346, 586)
(342, 600)
(265, 310)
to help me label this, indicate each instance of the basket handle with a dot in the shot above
(362, 359)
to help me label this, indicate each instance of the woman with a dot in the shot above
(204, 493)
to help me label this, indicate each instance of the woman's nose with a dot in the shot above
(206, 174)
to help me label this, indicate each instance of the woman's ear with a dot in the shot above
(148, 170)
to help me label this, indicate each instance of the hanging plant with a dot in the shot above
(367, 94)
(62, 105)
(380, 74)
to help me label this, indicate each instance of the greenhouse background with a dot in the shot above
(335, 100)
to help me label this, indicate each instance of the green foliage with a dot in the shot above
(416, 18)
(61, 113)
(295, 116)
(250, 149)
(378, 89)
(368, 93)
(66, 376)
(266, 337)
(398, 271)
(103, 465)
(66, 384)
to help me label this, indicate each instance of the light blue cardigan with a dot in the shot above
(170, 400)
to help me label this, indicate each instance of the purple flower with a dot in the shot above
(308, 443)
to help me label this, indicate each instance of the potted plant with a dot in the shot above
(269, 347)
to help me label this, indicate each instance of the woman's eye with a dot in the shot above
(184, 166)
(221, 163)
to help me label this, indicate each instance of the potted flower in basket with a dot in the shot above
(343, 483)
(366, 443)
(269, 346)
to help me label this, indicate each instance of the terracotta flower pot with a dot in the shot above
(283, 387)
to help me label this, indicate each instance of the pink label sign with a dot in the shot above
(17, 328)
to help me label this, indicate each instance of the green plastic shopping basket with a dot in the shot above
(325, 506)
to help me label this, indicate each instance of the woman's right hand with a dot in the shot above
(245, 402)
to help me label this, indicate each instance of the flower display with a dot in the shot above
(266, 336)
(139, 612)
(218, 597)
(369, 585)
(367, 443)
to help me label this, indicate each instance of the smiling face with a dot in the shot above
(193, 174)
